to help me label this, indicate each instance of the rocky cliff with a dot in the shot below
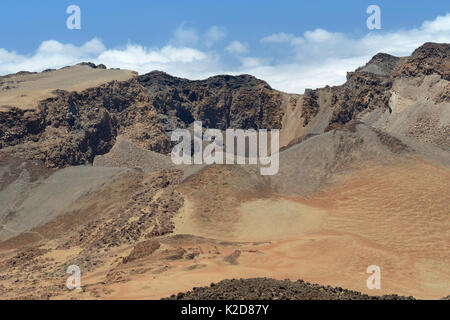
(73, 127)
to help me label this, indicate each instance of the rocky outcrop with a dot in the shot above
(430, 58)
(381, 64)
(370, 87)
(271, 289)
(18, 126)
(72, 128)
(92, 65)
(310, 106)
(363, 91)
(220, 102)
(60, 139)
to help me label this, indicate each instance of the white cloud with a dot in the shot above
(50, 54)
(278, 38)
(237, 47)
(135, 54)
(322, 57)
(215, 33)
(7, 57)
(181, 61)
(188, 36)
(315, 58)
(185, 36)
(318, 35)
(441, 23)
(251, 62)
(295, 77)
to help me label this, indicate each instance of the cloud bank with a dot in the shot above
(313, 59)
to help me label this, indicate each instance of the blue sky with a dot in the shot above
(290, 44)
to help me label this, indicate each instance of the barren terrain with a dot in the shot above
(86, 179)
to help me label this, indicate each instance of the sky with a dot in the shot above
(292, 45)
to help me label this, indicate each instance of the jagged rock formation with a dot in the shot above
(406, 96)
(366, 89)
(73, 128)
(220, 102)
(430, 58)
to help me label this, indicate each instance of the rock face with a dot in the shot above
(368, 88)
(18, 126)
(430, 58)
(406, 96)
(220, 102)
(59, 138)
(73, 128)
(363, 91)
(419, 97)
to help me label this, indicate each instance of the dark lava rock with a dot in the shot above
(270, 289)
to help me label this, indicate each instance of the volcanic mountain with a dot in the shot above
(86, 179)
